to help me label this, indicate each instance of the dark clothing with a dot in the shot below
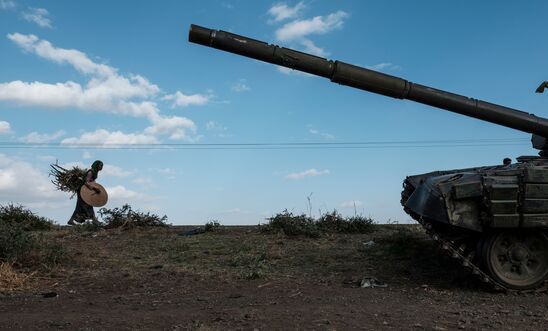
(83, 211)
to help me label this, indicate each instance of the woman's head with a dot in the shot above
(97, 166)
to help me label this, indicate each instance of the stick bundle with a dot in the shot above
(67, 180)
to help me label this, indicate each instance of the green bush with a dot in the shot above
(212, 226)
(128, 218)
(16, 244)
(18, 215)
(294, 225)
(28, 249)
(335, 223)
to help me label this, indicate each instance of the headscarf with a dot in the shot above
(95, 168)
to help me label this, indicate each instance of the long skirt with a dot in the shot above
(83, 211)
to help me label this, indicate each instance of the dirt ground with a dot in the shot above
(239, 278)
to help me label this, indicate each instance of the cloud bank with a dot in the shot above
(106, 91)
(307, 173)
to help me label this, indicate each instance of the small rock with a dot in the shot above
(369, 243)
(368, 282)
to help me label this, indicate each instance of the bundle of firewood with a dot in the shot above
(67, 180)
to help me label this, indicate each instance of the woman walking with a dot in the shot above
(84, 211)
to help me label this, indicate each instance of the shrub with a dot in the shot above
(18, 215)
(333, 222)
(212, 226)
(28, 249)
(16, 244)
(126, 217)
(292, 225)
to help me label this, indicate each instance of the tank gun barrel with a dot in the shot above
(370, 80)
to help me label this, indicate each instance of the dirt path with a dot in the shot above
(150, 293)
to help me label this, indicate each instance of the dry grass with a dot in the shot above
(11, 280)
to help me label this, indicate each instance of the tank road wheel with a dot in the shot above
(518, 261)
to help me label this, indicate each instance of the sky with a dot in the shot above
(81, 81)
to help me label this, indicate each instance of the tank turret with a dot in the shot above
(493, 219)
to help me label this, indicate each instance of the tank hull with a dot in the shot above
(479, 199)
(494, 220)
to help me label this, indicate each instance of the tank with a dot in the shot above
(492, 219)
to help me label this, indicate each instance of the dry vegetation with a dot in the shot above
(12, 280)
(223, 277)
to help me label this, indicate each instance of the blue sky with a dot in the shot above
(104, 72)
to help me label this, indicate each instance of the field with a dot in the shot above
(240, 278)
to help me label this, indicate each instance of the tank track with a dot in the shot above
(467, 260)
(459, 253)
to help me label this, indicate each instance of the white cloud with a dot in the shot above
(182, 100)
(282, 11)
(217, 129)
(21, 183)
(142, 181)
(307, 173)
(167, 171)
(310, 47)
(106, 91)
(46, 50)
(299, 29)
(240, 86)
(321, 134)
(176, 127)
(35, 137)
(70, 165)
(41, 94)
(87, 155)
(106, 97)
(289, 71)
(215, 126)
(110, 170)
(39, 16)
(351, 204)
(7, 4)
(121, 193)
(5, 127)
(102, 137)
(385, 65)
(46, 158)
